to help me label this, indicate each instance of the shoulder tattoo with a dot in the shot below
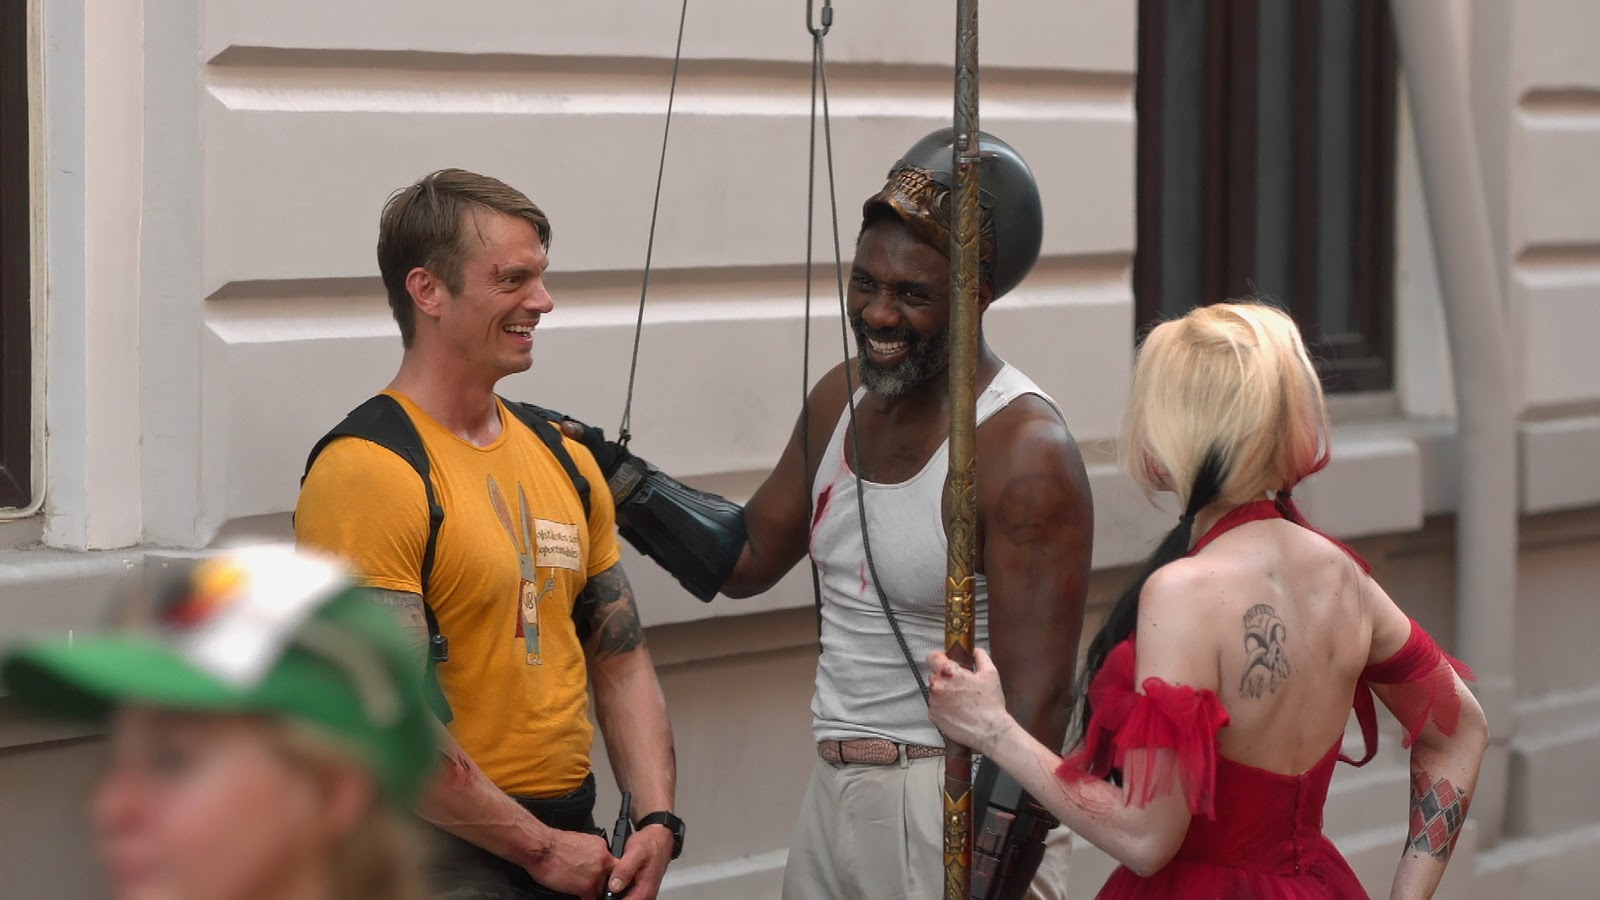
(408, 612)
(1266, 659)
(607, 617)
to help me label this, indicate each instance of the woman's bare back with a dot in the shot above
(1280, 611)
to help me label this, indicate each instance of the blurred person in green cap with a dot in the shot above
(267, 729)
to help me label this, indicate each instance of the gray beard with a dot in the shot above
(926, 360)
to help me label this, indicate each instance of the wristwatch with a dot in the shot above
(673, 824)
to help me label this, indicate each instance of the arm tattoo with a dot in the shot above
(1033, 513)
(1438, 811)
(1266, 660)
(607, 618)
(408, 612)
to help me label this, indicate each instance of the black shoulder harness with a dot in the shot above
(382, 421)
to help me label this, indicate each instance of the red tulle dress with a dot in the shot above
(1255, 834)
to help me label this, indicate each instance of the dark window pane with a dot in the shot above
(1266, 167)
(1183, 175)
(16, 371)
(1335, 165)
(1273, 270)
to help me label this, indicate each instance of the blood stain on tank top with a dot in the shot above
(822, 509)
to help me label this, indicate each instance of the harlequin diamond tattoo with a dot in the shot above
(1438, 810)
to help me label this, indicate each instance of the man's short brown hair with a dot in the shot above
(426, 225)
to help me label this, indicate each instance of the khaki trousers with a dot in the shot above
(872, 833)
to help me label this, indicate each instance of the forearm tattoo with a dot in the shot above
(1438, 811)
(1266, 659)
(607, 617)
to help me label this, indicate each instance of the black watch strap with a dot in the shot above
(673, 824)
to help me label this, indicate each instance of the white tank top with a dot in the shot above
(864, 686)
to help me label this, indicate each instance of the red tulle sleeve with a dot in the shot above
(1422, 688)
(1164, 717)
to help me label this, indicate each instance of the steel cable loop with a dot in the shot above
(819, 31)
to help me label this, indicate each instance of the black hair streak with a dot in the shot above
(1123, 619)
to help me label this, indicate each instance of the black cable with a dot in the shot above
(850, 390)
(805, 351)
(650, 243)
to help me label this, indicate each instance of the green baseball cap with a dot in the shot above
(264, 630)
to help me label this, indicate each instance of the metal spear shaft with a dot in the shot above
(961, 488)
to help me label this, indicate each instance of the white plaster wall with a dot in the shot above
(213, 306)
(1553, 227)
(90, 197)
(309, 120)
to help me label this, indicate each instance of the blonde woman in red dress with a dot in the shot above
(1219, 687)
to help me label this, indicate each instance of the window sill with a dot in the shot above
(1385, 477)
(20, 529)
(46, 592)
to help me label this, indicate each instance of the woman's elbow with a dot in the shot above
(1474, 730)
(1146, 865)
(1471, 734)
(1149, 853)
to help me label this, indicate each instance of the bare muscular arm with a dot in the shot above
(1037, 527)
(633, 717)
(777, 518)
(463, 801)
(628, 701)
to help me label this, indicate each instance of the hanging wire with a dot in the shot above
(818, 27)
(650, 244)
(819, 71)
(818, 32)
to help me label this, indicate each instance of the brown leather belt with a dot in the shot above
(872, 752)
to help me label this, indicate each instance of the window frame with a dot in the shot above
(1360, 359)
(17, 372)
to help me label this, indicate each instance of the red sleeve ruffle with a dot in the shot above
(1422, 688)
(1165, 717)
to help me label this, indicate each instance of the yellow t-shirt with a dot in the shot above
(513, 553)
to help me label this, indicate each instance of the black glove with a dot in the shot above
(696, 536)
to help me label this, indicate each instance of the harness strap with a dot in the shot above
(383, 421)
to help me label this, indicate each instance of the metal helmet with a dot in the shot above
(1011, 224)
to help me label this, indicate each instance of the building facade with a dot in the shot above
(191, 298)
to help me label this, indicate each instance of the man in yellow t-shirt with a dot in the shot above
(524, 585)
